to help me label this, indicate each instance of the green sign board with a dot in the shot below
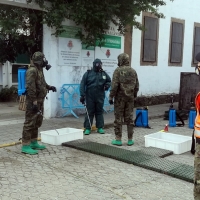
(84, 47)
(110, 42)
(70, 32)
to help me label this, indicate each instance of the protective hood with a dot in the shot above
(123, 59)
(37, 58)
(97, 65)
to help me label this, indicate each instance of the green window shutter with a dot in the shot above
(23, 58)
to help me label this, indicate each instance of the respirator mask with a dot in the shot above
(98, 67)
(45, 64)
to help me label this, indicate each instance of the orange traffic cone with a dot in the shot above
(166, 128)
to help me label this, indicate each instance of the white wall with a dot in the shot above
(58, 75)
(160, 79)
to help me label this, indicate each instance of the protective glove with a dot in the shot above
(53, 89)
(82, 99)
(35, 108)
(111, 102)
(106, 87)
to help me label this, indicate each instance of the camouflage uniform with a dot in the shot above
(124, 89)
(197, 173)
(36, 90)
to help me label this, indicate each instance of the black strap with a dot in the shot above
(138, 115)
(193, 144)
(182, 122)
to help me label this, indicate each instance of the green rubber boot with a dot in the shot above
(87, 132)
(35, 145)
(27, 149)
(130, 142)
(100, 130)
(117, 142)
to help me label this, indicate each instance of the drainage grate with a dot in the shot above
(184, 172)
(149, 158)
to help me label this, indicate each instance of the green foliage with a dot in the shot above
(6, 94)
(21, 32)
(94, 16)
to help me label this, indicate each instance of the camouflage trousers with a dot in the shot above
(32, 122)
(123, 111)
(197, 173)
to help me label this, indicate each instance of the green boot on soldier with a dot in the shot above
(34, 145)
(28, 150)
(117, 142)
(130, 142)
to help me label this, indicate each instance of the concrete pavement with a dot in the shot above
(63, 173)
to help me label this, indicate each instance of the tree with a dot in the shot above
(20, 32)
(93, 15)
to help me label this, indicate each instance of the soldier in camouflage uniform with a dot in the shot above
(36, 91)
(124, 88)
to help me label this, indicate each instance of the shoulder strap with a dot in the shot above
(193, 144)
(182, 122)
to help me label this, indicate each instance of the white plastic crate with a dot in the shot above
(58, 136)
(177, 143)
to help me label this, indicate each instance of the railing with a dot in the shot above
(70, 99)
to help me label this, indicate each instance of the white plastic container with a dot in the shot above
(58, 136)
(177, 143)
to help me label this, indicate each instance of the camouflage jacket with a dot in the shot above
(124, 83)
(36, 86)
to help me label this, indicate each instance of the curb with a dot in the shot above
(13, 144)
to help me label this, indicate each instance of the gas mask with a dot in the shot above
(45, 64)
(98, 66)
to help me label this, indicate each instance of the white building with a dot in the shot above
(172, 44)
(167, 48)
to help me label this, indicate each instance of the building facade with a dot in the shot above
(159, 54)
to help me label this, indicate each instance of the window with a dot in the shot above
(176, 42)
(149, 40)
(196, 42)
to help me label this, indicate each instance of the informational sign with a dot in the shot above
(108, 52)
(87, 56)
(70, 47)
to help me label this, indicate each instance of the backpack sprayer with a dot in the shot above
(141, 119)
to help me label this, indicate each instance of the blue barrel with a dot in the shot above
(172, 117)
(192, 116)
(21, 80)
(142, 119)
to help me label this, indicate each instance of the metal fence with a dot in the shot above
(70, 99)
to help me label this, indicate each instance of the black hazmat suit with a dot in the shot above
(93, 85)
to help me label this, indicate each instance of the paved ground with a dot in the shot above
(62, 173)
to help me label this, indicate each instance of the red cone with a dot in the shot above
(166, 128)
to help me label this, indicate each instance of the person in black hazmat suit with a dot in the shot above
(93, 85)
